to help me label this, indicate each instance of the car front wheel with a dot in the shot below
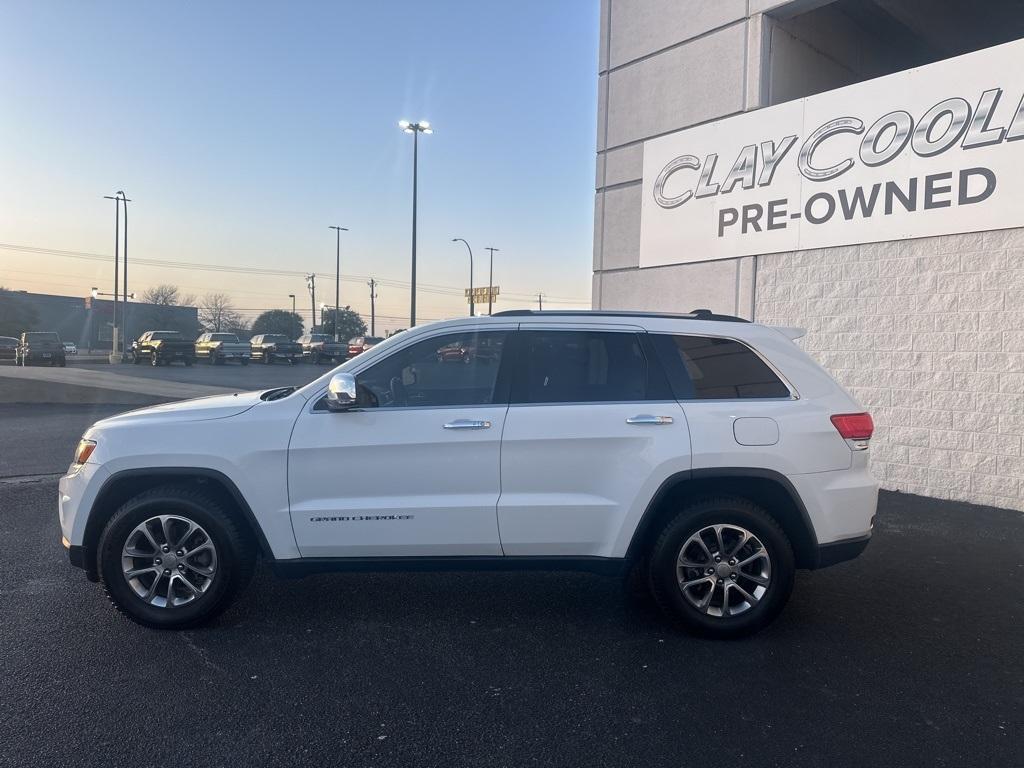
(722, 567)
(173, 558)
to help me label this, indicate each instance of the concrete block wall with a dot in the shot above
(665, 65)
(928, 335)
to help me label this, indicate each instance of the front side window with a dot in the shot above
(709, 368)
(452, 370)
(584, 367)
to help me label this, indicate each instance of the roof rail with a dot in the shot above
(696, 314)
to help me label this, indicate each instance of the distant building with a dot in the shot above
(89, 322)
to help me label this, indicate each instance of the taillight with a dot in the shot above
(856, 427)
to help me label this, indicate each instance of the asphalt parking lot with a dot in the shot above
(908, 656)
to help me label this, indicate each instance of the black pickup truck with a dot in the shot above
(40, 347)
(163, 348)
(320, 347)
(268, 347)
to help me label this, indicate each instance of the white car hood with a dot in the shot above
(199, 409)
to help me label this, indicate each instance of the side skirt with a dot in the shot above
(305, 566)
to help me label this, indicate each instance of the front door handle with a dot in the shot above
(468, 424)
(646, 418)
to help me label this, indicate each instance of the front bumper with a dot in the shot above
(76, 496)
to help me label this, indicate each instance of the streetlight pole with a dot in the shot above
(490, 282)
(124, 293)
(540, 302)
(415, 129)
(292, 297)
(472, 299)
(117, 260)
(337, 276)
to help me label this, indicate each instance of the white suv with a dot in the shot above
(710, 454)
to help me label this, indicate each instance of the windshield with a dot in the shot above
(38, 336)
(223, 337)
(275, 337)
(165, 335)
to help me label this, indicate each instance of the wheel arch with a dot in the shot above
(122, 486)
(764, 487)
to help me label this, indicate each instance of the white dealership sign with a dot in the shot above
(929, 151)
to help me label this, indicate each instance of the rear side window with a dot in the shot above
(585, 367)
(708, 368)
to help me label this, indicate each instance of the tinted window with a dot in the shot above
(455, 369)
(41, 336)
(274, 338)
(165, 335)
(223, 337)
(704, 368)
(585, 367)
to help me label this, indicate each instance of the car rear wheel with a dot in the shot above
(154, 361)
(722, 568)
(172, 558)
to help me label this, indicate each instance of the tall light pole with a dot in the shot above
(337, 276)
(292, 297)
(415, 129)
(540, 302)
(117, 259)
(124, 293)
(472, 299)
(490, 282)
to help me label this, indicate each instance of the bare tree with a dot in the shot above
(167, 295)
(217, 313)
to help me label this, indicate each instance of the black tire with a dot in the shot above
(154, 360)
(664, 581)
(236, 557)
(213, 359)
(245, 361)
(136, 360)
(266, 359)
(188, 362)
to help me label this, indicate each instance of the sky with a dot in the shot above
(242, 131)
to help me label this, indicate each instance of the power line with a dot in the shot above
(444, 290)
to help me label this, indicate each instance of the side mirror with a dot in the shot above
(341, 392)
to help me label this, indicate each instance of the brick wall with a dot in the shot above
(928, 335)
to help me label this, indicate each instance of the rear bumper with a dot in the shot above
(841, 551)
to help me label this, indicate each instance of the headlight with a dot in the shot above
(84, 451)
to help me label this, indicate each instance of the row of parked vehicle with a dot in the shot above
(166, 347)
(36, 347)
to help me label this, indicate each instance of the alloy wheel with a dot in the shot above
(723, 570)
(169, 561)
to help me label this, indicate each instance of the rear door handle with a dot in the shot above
(646, 418)
(468, 424)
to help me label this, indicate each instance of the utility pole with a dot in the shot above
(117, 260)
(337, 277)
(311, 285)
(373, 306)
(124, 293)
(540, 302)
(490, 282)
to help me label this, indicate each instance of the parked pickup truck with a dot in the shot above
(268, 347)
(40, 347)
(221, 347)
(318, 347)
(163, 348)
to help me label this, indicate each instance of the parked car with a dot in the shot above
(40, 347)
(163, 348)
(360, 344)
(220, 348)
(709, 455)
(70, 348)
(320, 347)
(268, 347)
(8, 348)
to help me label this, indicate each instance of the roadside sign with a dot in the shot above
(482, 294)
